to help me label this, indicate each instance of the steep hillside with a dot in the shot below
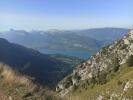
(100, 67)
(119, 87)
(42, 68)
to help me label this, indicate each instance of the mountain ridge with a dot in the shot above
(98, 67)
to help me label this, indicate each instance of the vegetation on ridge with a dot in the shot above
(114, 88)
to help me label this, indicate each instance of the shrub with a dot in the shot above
(119, 82)
(102, 78)
(124, 46)
(130, 61)
(116, 64)
(116, 68)
(104, 50)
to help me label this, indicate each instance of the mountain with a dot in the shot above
(110, 34)
(49, 39)
(43, 68)
(57, 41)
(106, 75)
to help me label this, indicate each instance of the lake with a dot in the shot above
(79, 54)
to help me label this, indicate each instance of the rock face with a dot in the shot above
(128, 85)
(98, 67)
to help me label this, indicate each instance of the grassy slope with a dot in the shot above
(18, 87)
(115, 85)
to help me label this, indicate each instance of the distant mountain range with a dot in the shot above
(89, 40)
(45, 69)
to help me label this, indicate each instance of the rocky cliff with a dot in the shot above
(99, 67)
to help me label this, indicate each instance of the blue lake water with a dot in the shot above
(79, 54)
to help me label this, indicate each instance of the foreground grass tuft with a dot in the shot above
(20, 87)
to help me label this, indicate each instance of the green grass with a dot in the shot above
(124, 74)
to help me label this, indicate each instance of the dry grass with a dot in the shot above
(12, 78)
(21, 87)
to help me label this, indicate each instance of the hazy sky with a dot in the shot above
(65, 14)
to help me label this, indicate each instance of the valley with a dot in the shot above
(40, 66)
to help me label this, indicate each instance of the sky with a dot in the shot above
(65, 14)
